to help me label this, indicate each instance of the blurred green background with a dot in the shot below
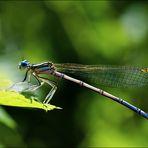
(86, 32)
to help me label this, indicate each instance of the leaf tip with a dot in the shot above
(59, 107)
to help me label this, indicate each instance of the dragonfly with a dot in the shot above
(115, 76)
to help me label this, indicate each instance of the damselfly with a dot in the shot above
(122, 76)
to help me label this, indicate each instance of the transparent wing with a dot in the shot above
(114, 76)
(22, 87)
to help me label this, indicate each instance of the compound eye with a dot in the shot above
(23, 64)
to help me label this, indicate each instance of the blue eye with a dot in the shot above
(23, 64)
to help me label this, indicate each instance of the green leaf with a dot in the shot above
(15, 99)
(6, 119)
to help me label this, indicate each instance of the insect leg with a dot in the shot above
(51, 92)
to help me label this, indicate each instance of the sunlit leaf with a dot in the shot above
(15, 99)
